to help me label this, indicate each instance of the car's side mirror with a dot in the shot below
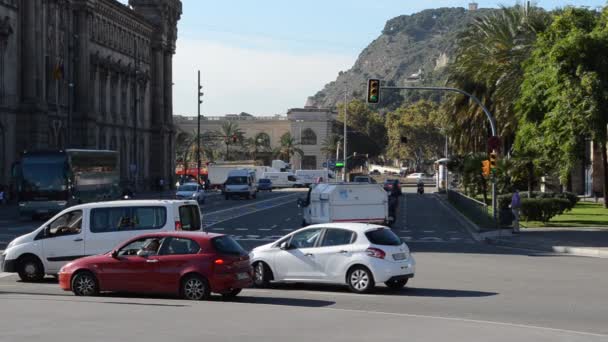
(286, 245)
(114, 254)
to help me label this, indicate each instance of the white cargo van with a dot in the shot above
(241, 183)
(308, 177)
(91, 229)
(346, 202)
(282, 179)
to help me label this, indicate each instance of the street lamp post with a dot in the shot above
(198, 130)
(300, 137)
(345, 169)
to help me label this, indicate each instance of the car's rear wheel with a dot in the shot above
(30, 269)
(396, 284)
(84, 283)
(360, 280)
(261, 274)
(195, 287)
(233, 293)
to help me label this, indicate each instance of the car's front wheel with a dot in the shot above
(30, 269)
(360, 279)
(396, 284)
(85, 284)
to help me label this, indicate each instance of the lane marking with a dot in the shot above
(273, 226)
(288, 219)
(5, 275)
(264, 229)
(217, 228)
(287, 230)
(241, 229)
(467, 320)
(251, 204)
(429, 231)
(249, 213)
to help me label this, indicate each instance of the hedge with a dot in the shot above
(504, 201)
(543, 209)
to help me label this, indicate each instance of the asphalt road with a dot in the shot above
(463, 291)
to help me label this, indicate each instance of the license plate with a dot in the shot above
(399, 256)
(242, 276)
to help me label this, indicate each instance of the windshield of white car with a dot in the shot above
(187, 188)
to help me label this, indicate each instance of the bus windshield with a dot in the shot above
(45, 173)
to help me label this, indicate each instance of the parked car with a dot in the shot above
(393, 187)
(355, 254)
(190, 265)
(265, 184)
(91, 229)
(375, 173)
(192, 191)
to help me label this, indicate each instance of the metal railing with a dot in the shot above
(475, 210)
(231, 118)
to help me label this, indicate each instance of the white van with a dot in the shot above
(282, 179)
(308, 177)
(241, 183)
(92, 229)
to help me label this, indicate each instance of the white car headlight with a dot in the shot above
(194, 194)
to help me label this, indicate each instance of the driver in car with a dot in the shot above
(151, 248)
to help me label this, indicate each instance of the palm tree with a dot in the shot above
(259, 143)
(331, 144)
(489, 64)
(229, 134)
(288, 148)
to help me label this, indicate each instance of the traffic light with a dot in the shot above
(493, 159)
(234, 138)
(373, 91)
(485, 168)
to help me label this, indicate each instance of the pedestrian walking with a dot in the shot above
(515, 206)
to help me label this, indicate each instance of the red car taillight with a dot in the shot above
(219, 261)
(178, 225)
(375, 253)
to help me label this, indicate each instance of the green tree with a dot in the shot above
(488, 64)
(419, 124)
(564, 94)
(288, 148)
(230, 130)
(367, 132)
(330, 144)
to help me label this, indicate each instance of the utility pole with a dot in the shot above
(345, 169)
(198, 130)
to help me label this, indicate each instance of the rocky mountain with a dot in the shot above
(413, 47)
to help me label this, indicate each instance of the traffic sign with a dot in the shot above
(325, 164)
(332, 164)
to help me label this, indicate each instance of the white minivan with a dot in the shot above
(241, 182)
(92, 229)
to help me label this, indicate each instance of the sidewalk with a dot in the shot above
(588, 242)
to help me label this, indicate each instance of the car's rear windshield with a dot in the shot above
(187, 188)
(190, 217)
(384, 237)
(227, 245)
(264, 180)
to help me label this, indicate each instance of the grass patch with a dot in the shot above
(584, 214)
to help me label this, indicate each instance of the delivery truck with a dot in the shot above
(346, 202)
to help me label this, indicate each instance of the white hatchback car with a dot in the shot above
(356, 254)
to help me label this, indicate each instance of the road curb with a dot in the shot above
(566, 250)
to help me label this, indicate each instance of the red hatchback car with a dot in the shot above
(191, 265)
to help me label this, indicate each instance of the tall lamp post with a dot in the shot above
(300, 137)
(198, 130)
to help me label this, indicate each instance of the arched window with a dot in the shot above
(262, 140)
(309, 137)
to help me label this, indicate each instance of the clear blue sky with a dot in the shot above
(250, 50)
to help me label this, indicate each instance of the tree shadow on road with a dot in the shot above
(385, 291)
(120, 299)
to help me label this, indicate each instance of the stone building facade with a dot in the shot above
(92, 74)
(310, 127)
